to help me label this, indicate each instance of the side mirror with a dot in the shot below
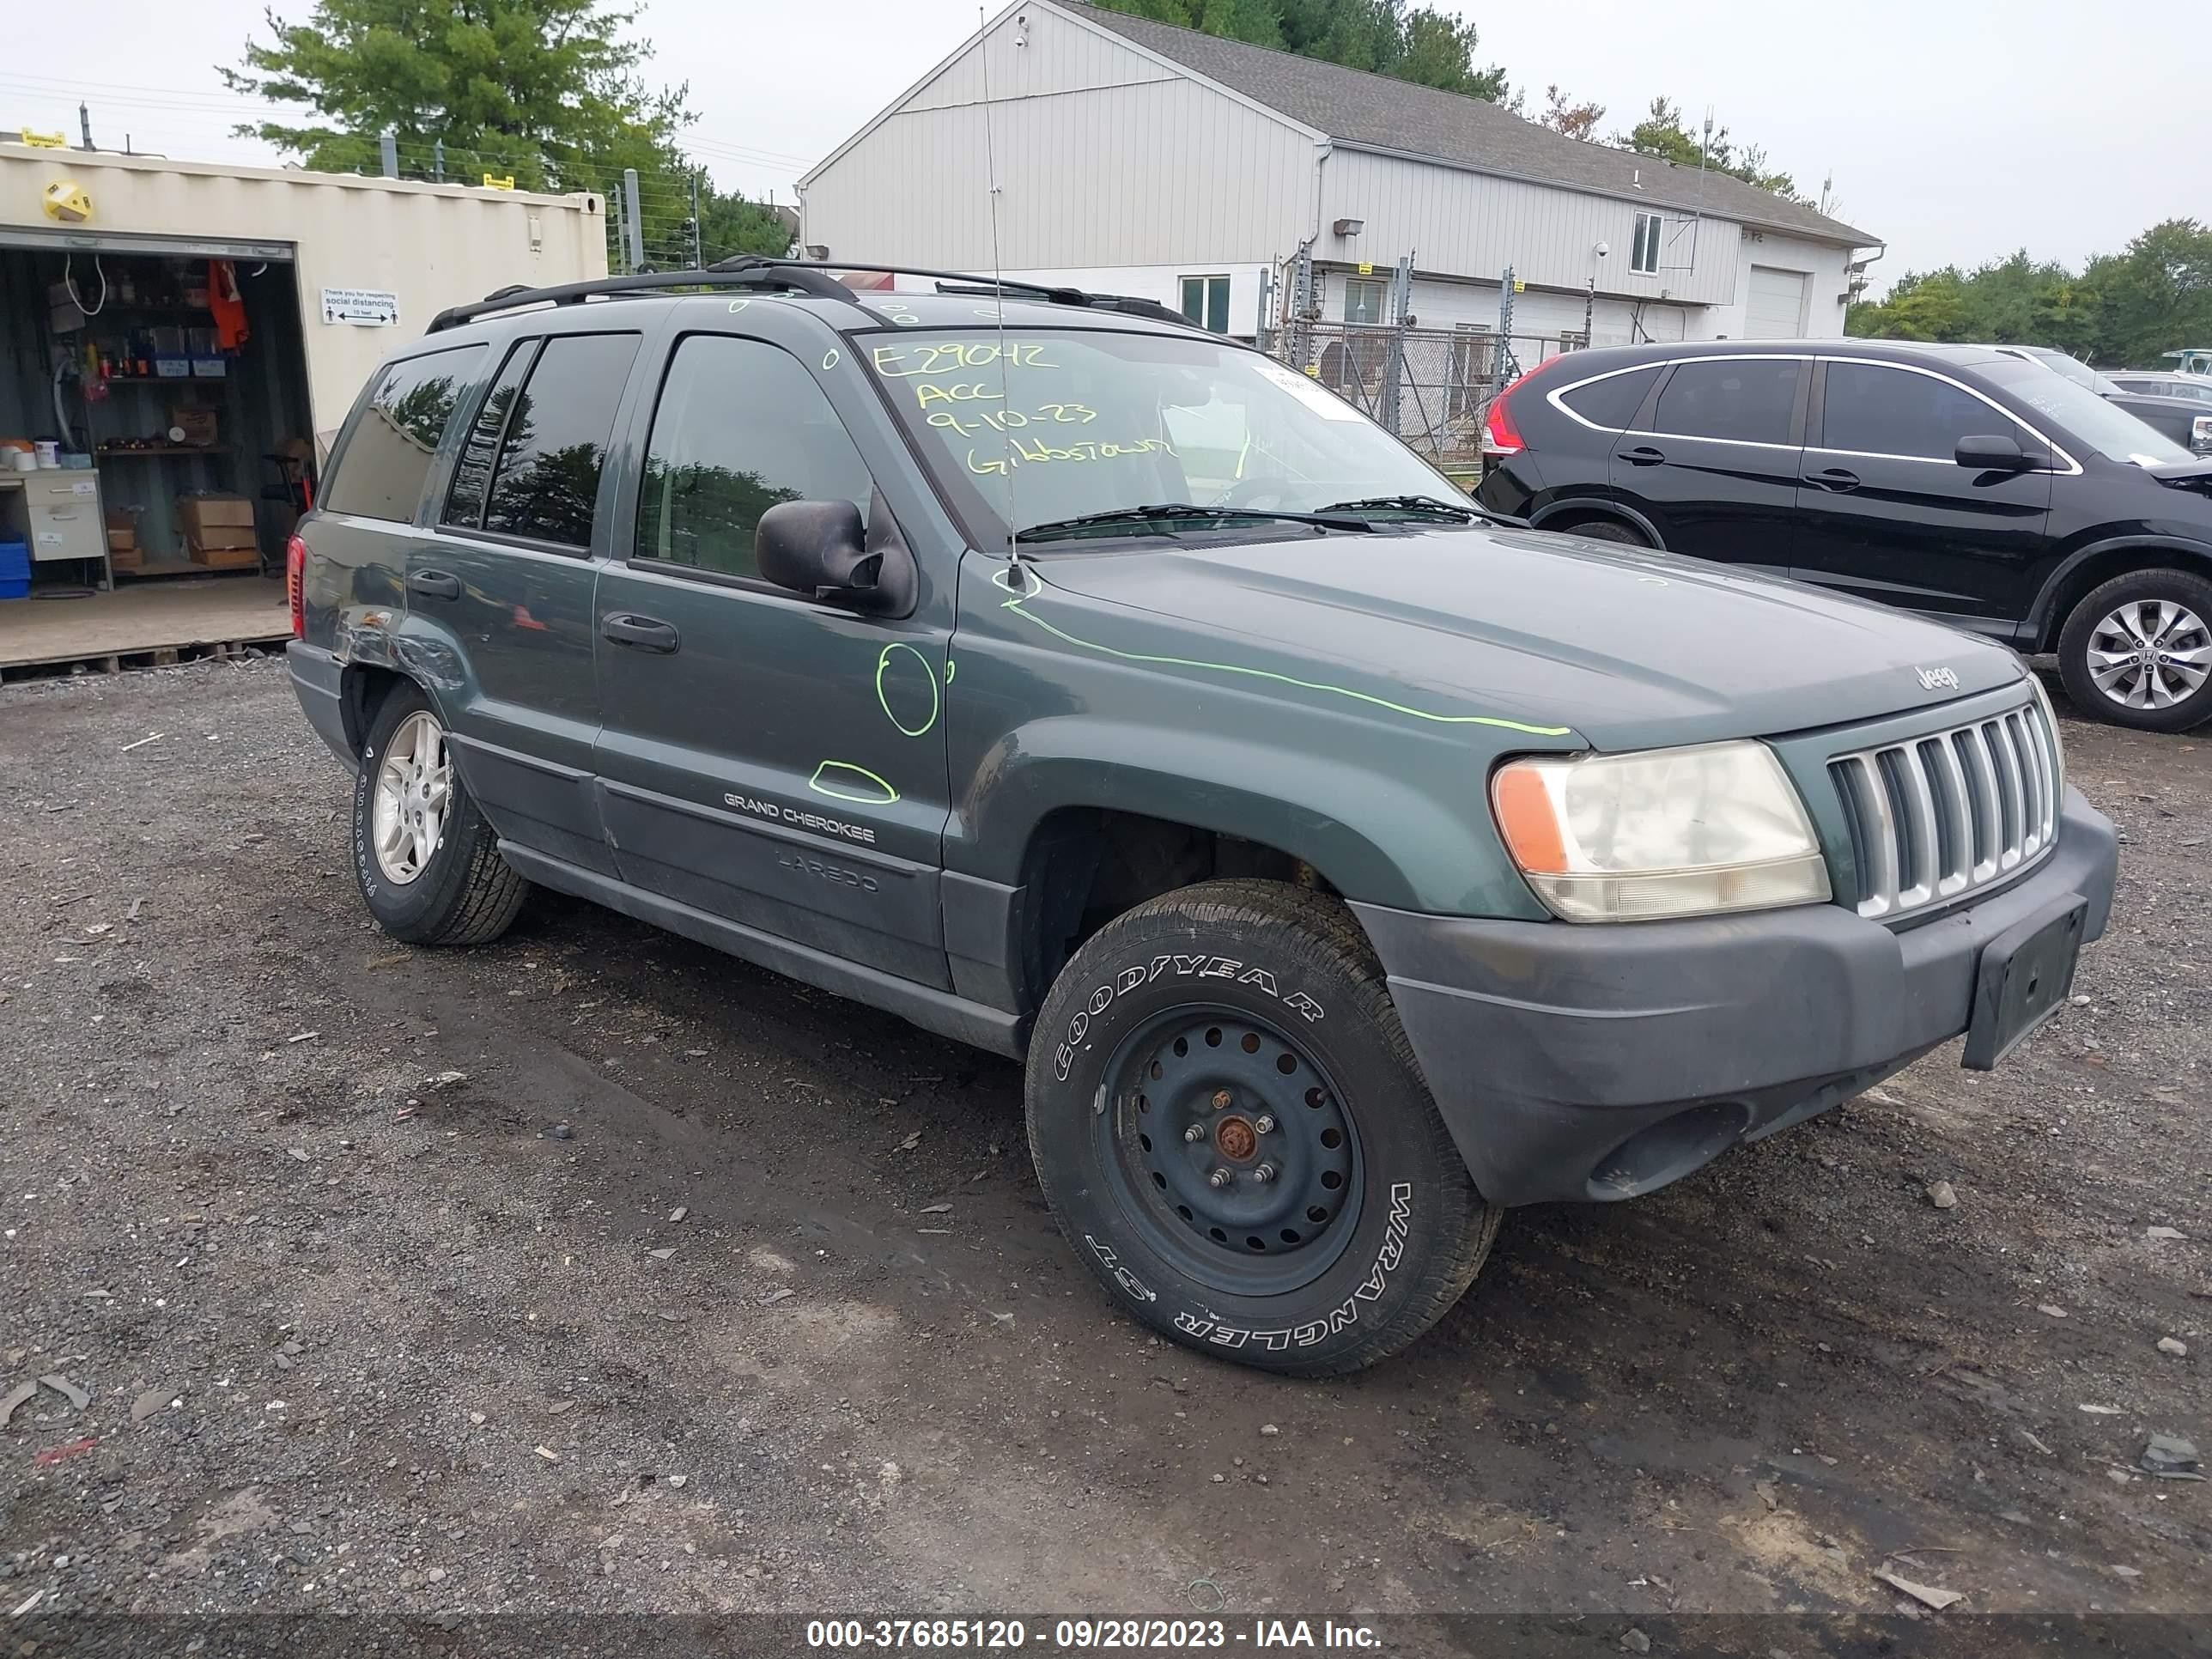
(823, 549)
(1994, 454)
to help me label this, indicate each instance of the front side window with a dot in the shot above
(1363, 301)
(387, 460)
(1053, 424)
(741, 425)
(547, 481)
(1743, 399)
(1644, 250)
(1874, 410)
(1205, 302)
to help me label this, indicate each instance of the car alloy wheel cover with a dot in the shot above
(414, 799)
(2150, 653)
(1228, 1148)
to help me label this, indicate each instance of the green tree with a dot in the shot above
(1660, 133)
(1575, 120)
(2122, 310)
(1422, 44)
(731, 224)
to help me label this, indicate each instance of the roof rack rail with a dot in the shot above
(810, 277)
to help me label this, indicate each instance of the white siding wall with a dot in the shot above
(1472, 224)
(1104, 158)
(1823, 263)
(1161, 283)
(1612, 321)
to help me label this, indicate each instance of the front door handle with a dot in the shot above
(1643, 455)
(639, 633)
(1840, 479)
(434, 585)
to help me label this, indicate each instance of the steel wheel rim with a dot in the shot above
(1255, 1234)
(2150, 653)
(413, 800)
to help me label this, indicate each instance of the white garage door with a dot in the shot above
(1775, 308)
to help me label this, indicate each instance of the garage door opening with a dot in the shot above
(1775, 308)
(156, 449)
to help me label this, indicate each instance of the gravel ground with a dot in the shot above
(778, 1321)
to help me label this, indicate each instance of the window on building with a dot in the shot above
(1612, 402)
(387, 460)
(547, 482)
(1745, 399)
(1206, 301)
(1644, 251)
(741, 425)
(1874, 410)
(1363, 301)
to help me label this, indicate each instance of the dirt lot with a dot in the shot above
(779, 1320)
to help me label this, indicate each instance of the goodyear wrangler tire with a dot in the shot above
(1235, 1137)
(426, 863)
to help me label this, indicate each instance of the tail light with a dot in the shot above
(296, 585)
(1500, 436)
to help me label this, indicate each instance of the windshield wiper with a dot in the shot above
(1462, 511)
(1171, 510)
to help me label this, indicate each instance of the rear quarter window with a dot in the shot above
(403, 420)
(1612, 402)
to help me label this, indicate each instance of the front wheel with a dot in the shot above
(427, 862)
(2137, 651)
(1602, 530)
(1233, 1133)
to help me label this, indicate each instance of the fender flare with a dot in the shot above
(1597, 507)
(2197, 559)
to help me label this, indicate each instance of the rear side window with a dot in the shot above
(1611, 403)
(1745, 399)
(464, 501)
(547, 481)
(387, 458)
(741, 425)
(1874, 410)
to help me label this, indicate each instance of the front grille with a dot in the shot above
(1948, 812)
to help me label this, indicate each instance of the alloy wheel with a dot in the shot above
(2150, 653)
(414, 797)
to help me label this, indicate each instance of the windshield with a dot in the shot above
(2079, 414)
(1066, 424)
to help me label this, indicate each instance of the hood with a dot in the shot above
(1630, 647)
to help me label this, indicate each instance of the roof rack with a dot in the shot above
(758, 272)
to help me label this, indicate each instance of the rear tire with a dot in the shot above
(426, 861)
(1235, 1138)
(2164, 616)
(1603, 530)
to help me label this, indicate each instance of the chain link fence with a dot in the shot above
(1433, 387)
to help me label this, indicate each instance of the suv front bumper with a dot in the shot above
(1600, 1062)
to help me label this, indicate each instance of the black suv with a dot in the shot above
(1973, 487)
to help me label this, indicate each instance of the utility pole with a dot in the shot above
(84, 124)
(698, 252)
(390, 145)
(633, 221)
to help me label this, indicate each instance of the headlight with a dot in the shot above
(1669, 832)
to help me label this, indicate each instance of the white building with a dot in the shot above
(1134, 157)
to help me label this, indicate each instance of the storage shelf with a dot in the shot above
(165, 449)
(166, 379)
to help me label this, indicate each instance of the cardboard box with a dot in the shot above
(122, 541)
(197, 514)
(125, 558)
(198, 425)
(224, 558)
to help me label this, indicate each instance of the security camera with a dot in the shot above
(1603, 248)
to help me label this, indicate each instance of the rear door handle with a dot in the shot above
(434, 585)
(1833, 478)
(639, 633)
(1643, 455)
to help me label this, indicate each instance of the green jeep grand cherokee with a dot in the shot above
(1347, 866)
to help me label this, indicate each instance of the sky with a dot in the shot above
(1955, 130)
